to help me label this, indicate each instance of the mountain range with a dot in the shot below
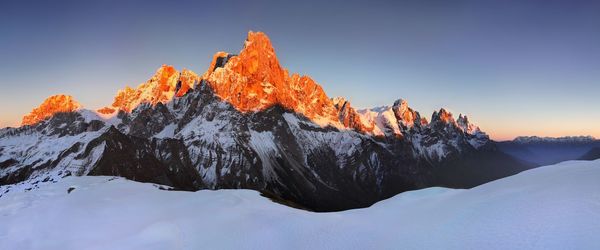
(249, 123)
(541, 151)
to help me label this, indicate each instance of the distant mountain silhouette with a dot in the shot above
(546, 150)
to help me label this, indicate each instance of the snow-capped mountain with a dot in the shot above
(248, 123)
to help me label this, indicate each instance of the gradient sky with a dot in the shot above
(515, 67)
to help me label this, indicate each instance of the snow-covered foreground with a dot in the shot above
(553, 207)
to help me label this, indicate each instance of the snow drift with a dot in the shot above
(553, 207)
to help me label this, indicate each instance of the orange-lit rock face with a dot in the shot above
(348, 116)
(51, 106)
(164, 74)
(250, 81)
(443, 116)
(406, 116)
(124, 97)
(254, 80)
(403, 113)
(160, 88)
(188, 79)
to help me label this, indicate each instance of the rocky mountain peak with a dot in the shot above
(188, 79)
(406, 116)
(52, 105)
(161, 87)
(254, 80)
(464, 124)
(348, 116)
(258, 60)
(442, 116)
(462, 121)
(258, 41)
(401, 104)
(164, 77)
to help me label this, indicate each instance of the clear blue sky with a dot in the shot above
(515, 67)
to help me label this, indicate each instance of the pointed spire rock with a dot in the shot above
(462, 120)
(348, 115)
(405, 115)
(401, 105)
(254, 80)
(442, 116)
(467, 127)
(402, 111)
(52, 105)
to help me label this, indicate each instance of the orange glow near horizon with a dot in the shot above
(502, 132)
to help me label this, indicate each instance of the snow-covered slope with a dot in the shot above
(553, 207)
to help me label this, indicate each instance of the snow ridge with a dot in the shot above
(552, 207)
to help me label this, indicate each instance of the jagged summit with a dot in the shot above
(166, 83)
(188, 80)
(52, 105)
(348, 116)
(406, 116)
(254, 80)
(443, 116)
(463, 122)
